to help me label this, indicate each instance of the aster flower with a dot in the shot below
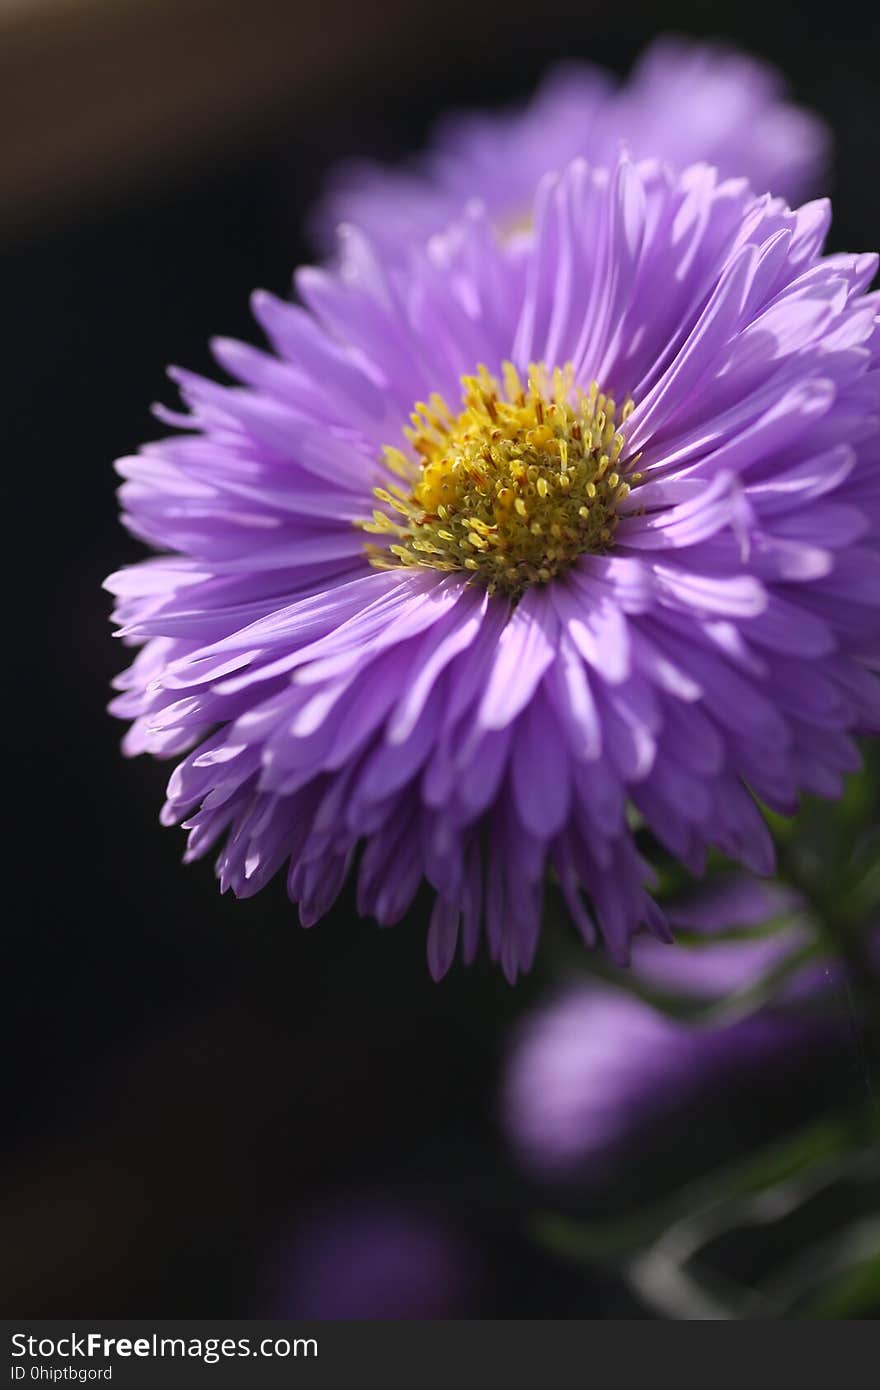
(683, 102)
(498, 544)
(595, 1066)
(743, 932)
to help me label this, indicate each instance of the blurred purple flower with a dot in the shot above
(597, 1065)
(715, 969)
(660, 588)
(373, 1262)
(684, 102)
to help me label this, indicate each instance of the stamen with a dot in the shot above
(512, 490)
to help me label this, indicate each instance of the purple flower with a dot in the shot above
(596, 1065)
(684, 102)
(374, 1262)
(631, 560)
(716, 969)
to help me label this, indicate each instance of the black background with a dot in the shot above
(186, 1074)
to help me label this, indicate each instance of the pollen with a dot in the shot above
(511, 490)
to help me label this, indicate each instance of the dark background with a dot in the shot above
(185, 1075)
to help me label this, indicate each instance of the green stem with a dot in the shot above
(843, 936)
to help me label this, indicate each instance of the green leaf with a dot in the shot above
(852, 1294)
(762, 1186)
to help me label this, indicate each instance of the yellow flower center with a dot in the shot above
(513, 489)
